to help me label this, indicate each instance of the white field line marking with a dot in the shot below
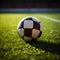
(52, 19)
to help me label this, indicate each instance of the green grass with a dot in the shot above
(12, 47)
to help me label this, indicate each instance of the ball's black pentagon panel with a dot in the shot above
(39, 34)
(36, 25)
(21, 24)
(28, 32)
(30, 18)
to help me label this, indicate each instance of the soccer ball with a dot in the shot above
(29, 28)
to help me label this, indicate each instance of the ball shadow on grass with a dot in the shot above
(47, 46)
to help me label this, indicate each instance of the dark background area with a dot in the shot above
(29, 4)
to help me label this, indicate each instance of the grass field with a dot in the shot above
(12, 47)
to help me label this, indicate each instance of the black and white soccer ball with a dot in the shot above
(29, 28)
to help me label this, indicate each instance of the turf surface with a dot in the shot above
(12, 47)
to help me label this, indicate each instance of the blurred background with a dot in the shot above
(29, 6)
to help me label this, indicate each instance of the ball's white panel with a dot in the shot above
(28, 24)
(35, 19)
(21, 32)
(41, 27)
(35, 33)
(27, 38)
